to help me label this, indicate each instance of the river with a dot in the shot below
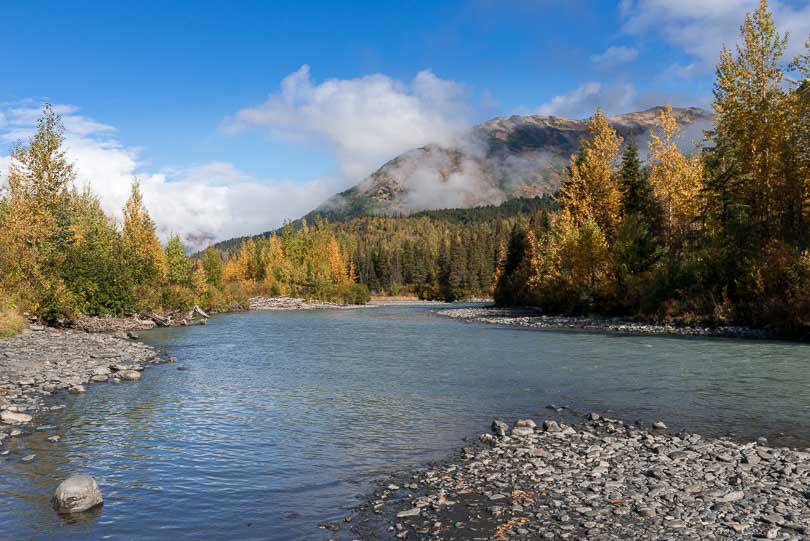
(271, 423)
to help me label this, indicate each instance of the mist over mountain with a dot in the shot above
(503, 158)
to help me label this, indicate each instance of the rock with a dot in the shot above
(409, 513)
(487, 438)
(54, 439)
(659, 425)
(99, 378)
(130, 375)
(551, 426)
(499, 428)
(75, 494)
(77, 389)
(133, 336)
(28, 458)
(14, 418)
(525, 423)
(522, 431)
(733, 496)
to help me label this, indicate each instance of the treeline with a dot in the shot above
(434, 255)
(61, 256)
(719, 236)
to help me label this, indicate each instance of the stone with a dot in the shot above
(551, 426)
(75, 494)
(733, 496)
(99, 378)
(14, 418)
(129, 375)
(522, 431)
(28, 458)
(499, 428)
(409, 513)
(54, 439)
(659, 425)
(77, 389)
(525, 423)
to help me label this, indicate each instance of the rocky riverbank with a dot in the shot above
(42, 362)
(525, 317)
(294, 303)
(597, 479)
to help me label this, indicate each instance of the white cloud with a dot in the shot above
(201, 203)
(584, 100)
(702, 27)
(367, 120)
(615, 56)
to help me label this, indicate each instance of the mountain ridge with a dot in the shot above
(503, 158)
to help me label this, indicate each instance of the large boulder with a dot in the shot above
(75, 494)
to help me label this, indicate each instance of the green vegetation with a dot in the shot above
(61, 256)
(721, 236)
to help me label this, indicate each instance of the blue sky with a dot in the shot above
(185, 88)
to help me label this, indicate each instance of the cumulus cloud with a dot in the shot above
(201, 203)
(615, 56)
(702, 27)
(366, 120)
(583, 100)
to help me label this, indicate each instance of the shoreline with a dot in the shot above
(42, 363)
(597, 478)
(530, 318)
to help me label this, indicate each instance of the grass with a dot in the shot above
(11, 322)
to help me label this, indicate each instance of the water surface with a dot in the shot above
(282, 420)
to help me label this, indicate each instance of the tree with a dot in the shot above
(36, 218)
(212, 266)
(638, 197)
(676, 180)
(590, 190)
(178, 265)
(144, 253)
(751, 127)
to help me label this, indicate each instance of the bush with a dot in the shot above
(11, 322)
(357, 294)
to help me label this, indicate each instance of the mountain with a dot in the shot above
(504, 158)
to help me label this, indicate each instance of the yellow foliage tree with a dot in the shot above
(676, 179)
(590, 190)
(145, 254)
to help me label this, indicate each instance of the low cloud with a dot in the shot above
(586, 98)
(366, 120)
(615, 56)
(201, 203)
(702, 27)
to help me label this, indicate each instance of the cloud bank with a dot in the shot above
(201, 203)
(366, 120)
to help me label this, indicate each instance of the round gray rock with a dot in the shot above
(75, 494)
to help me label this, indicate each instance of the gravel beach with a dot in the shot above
(527, 317)
(42, 362)
(596, 479)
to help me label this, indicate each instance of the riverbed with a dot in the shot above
(272, 423)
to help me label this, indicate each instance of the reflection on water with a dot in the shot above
(281, 420)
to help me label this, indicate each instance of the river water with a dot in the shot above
(283, 420)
